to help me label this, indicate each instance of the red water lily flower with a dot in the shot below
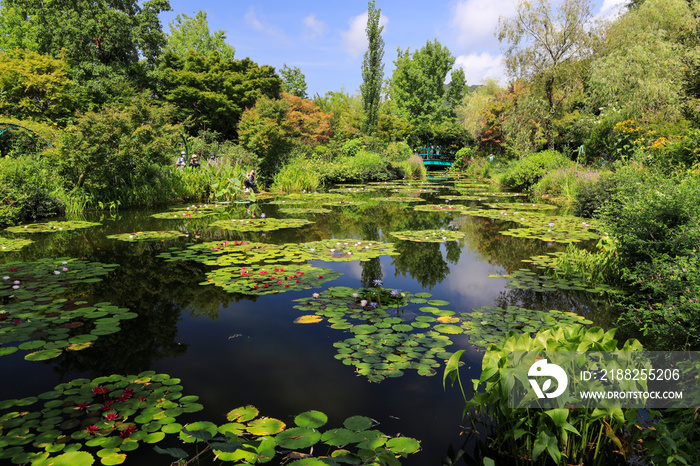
(127, 432)
(12, 269)
(92, 429)
(100, 390)
(83, 405)
(111, 416)
(107, 405)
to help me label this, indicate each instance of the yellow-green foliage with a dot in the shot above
(413, 168)
(297, 176)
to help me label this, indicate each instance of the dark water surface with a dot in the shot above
(233, 350)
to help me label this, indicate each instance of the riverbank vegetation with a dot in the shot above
(608, 124)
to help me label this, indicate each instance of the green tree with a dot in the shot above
(643, 61)
(265, 131)
(107, 43)
(347, 113)
(418, 91)
(293, 81)
(372, 71)
(548, 47)
(211, 92)
(35, 86)
(192, 33)
(274, 126)
(15, 31)
(116, 148)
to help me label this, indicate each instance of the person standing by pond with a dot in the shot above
(194, 162)
(249, 181)
(180, 161)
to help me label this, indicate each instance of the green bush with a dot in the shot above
(479, 168)
(463, 158)
(414, 168)
(563, 184)
(351, 148)
(397, 152)
(649, 213)
(28, 191)
(590, 197)
(524, 173)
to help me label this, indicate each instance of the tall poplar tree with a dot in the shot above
(372, 71)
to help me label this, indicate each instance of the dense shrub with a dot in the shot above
(114, 150)
(414, 168)
(591, 196)
(524, 173)
(564, 184)
(649, 214)
(397, 152)
(463, 158)
(28, 191)
(351, 148)
(480, 169)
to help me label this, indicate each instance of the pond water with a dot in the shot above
(233, 349)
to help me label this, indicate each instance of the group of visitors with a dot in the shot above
(249, 181)
(181, 161)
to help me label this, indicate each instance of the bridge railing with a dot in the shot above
(436, 153)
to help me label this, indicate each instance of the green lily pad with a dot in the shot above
(298, 438)
(260, 224)
(448, 208)
(304, 210)
(148, 236)
(312, 419)
(268, 280)
(266, 426)
(51, 227)
(12, 244)
(90, 413)
(429, 236)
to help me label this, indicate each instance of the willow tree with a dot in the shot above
(548, 47)
(372, 71)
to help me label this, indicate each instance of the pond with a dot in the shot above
(373, 290)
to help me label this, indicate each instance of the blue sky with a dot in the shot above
(326, 39)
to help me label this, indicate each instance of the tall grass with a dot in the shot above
(564, 184)
(296, 177)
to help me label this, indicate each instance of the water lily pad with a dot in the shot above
(308, 319)
(89, 413)
(457, 208)
(268, 280)
(243, 414)
(312, 419)
(488, 325)
(430, 236)
(148, 236)
(185, 214)
(266, 426)
(304, 210)
(12, 244)
(51, 227)
(260, 224)
(297, 438)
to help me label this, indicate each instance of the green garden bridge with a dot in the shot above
(437, 157)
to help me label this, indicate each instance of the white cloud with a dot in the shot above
(475, 21)
(251, 18)
(355, 37)
(611, 8)
(479, 66)
(314, 28)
